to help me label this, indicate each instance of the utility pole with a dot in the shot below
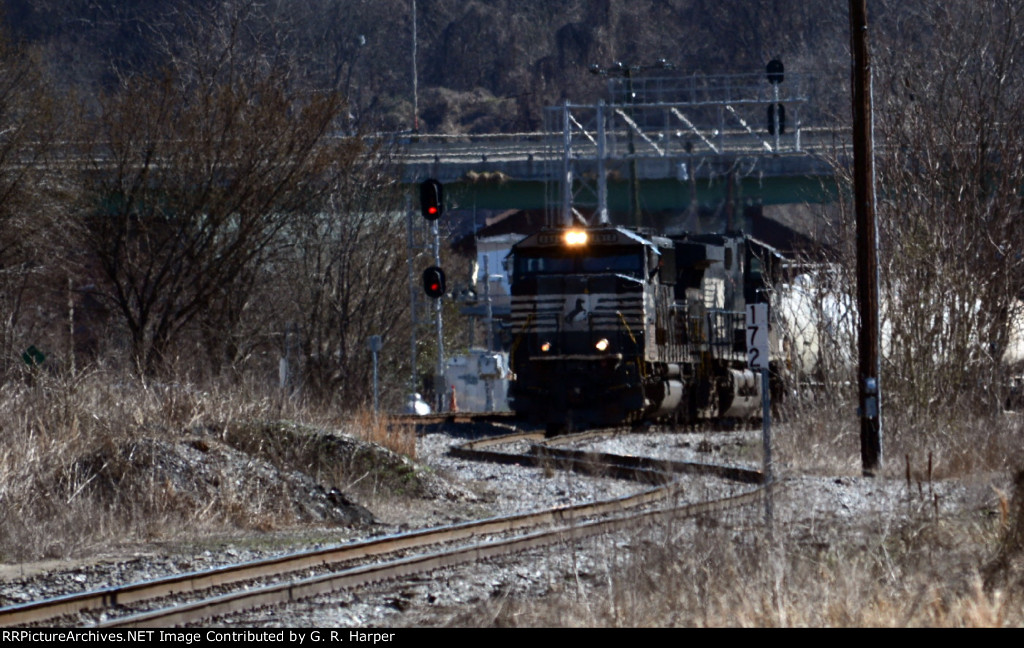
(870, 392)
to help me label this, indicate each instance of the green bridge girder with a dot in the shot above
(665, 183)
(656, 195)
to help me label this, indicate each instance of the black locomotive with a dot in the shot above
(611, 326)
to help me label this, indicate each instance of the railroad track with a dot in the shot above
(194, 597)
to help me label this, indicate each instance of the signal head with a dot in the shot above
(434, 282)
(431, 199)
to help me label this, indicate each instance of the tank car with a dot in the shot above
(612, 326)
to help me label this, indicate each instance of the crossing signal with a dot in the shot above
(775, 71)
(433, 282)
(431, 199)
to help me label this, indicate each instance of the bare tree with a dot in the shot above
(347, 272)
(950, 207)
(948, 103)
(29, 130)
(196, 172)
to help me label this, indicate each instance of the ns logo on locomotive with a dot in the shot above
(611, 326)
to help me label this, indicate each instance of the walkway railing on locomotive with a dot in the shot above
(719, 332)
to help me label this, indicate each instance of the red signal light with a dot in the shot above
(434, 282)
(431, 199)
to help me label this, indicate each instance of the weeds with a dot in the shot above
(383, 430)
(93, 458)
(821, 436)
(722, 575)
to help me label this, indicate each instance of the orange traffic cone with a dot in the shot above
(453, 406)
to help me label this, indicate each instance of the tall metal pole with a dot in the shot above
(634, 170)
(488, 382)
(376, 383)
(415, 76)
(374, 344)
(776, 116)
(413, 310)
(869, 384)
(602, 176)
(768, 466)
(566, 168)
(439, 382)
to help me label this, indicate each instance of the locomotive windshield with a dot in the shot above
(617, 261)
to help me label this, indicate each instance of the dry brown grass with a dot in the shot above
(98, 458)
(384, 430)
(914, 572)
(822, 436)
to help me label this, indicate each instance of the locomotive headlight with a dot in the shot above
(545, 347)
(575, 237)
(602, 344)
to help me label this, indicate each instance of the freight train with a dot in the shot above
(613, 326)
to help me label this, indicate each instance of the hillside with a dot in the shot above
(486, 66)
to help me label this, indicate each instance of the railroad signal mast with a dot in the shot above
(434, 284)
